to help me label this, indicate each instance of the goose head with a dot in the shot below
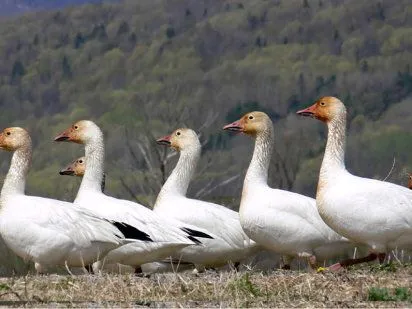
(81, 132)
(251, 123)
(76, 168)
(325, 109)
(181, 139)
(410, 181)
(14, 138)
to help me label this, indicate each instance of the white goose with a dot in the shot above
(230, 243)
(159, 237)
(78, 168)
(368, 211)
(282, 221)
(46, 231)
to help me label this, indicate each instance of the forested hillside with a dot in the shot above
(14, 7)
(143, 68)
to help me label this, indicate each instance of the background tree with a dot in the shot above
(141, 69)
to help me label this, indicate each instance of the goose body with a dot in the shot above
(384, 227)
(54, 233)
(47, 231)
(230, 243)
(282, 221)
(375, 213)
(78, 168)
(157, 237)
(288, 223)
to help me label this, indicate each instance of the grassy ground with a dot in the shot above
(368, 286)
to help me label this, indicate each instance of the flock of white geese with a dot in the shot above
(97, 230)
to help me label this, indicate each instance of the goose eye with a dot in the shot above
(322, 103)
(80, 161)
(8, 133)
(76, 127)
(250, 117)
(178, 133)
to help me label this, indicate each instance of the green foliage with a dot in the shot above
(244, 285)
(403, 294)
(17, 71)
(170, 32)
(379, 294)
(4, 287)
(384, 294)
(242, 108)
(66, 67)
(386, 267)
(151, 66)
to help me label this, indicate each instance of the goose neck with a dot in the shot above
(334, 158)
(94, 173)
(15, 181)
(179, 179)
(257, 172)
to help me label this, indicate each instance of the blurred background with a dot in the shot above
(141, 69)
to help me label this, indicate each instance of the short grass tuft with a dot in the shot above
(384, 294)
(244, 285)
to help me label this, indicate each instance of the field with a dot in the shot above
(367, 286)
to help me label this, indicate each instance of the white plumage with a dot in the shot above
(230, 243)
(372, 212)
(52, 232)
(282, 221)
(158, 237)
(47, 231)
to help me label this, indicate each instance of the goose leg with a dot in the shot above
(68, 269)
(89, 269)
(350, 262)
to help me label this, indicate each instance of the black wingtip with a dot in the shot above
(131, 232)
(195, 240)
(195, 233)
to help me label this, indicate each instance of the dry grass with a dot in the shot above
(348, 288)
